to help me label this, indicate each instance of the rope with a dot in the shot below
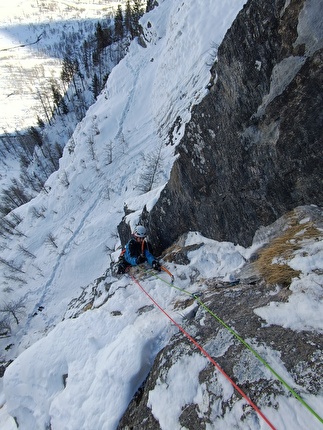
(207, 355)
(246, 344)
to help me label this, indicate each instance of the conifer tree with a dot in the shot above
(137, 12)
(95, 85)
(56, 97)
(118, 24)
(86, 56)
(69, 68)
(36, 136)
(40, 122)
(99, 35)
(128, 18)
(151, 4)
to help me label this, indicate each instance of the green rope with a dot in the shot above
(246, 344)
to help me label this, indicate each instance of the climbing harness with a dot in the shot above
(207, 355)
(246, 344)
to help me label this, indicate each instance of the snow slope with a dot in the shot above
(68, 230)
(101, 167)
(83, 374)
(24, 64)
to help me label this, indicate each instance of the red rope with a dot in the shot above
(207, 355)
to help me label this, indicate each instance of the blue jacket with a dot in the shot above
(134, 249)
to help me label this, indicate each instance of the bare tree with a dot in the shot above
(11, 265)
(13, 197)
(64, 179)
(44, 104)
(5, 328)
(8, 225)
(26, 252)
(13, 309)
(109, 153)
(90, 142)
(153, 164)
(38, 213)
(51, 240)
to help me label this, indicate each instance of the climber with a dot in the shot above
(137, 251)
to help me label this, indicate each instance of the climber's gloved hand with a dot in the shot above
(141, 259)
(155, 265)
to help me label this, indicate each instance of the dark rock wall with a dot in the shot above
(253, 148)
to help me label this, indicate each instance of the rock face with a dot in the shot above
(300, 352)
(251, 152)
(253, 148)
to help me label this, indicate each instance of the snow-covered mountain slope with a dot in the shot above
(66, 235)
(32, 36)
(81, 373)
(84, 373)
(67, 229)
